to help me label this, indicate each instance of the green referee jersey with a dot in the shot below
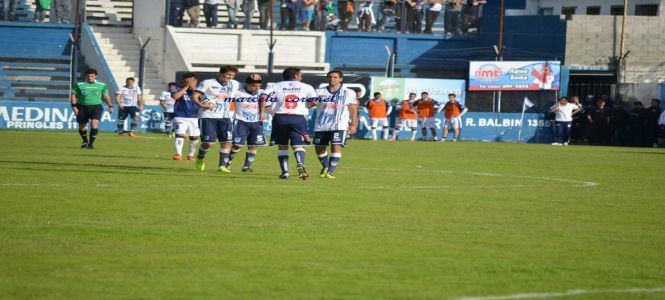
(90, 93)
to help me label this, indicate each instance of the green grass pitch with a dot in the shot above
(402, 220)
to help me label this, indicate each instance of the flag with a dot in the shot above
(527, 104)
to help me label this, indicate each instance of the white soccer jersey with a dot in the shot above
(290, 97)
(213, 90)
(170, 102)
(332, 112)
(129, 97)
(247, 105)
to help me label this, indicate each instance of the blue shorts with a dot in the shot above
(213, 130)
(131, 111)
(325, 138)
(248, 132)
(291, 128)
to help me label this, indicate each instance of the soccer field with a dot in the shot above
(420, 220)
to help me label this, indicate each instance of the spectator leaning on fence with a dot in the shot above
(599, 118)
(61, 10)
(563, 120)
(40, 10)
(210, 12)
(653, 113)
(193, 11)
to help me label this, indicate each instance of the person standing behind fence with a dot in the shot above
(454, 19)
(433, 10)
(264, 13)
(599, 118)
(653, 113)
(306, 13)
(210, 12)
(61, 10)
(618, 120)
(661, 130)
(193, 11)
(563, 120)
(40, 10)
(636, 124)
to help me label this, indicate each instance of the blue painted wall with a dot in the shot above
(34, 40)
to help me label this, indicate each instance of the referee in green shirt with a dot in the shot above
(86, 102)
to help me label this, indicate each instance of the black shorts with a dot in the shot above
(661, 132)
(216, 130)
(325, 138)
(131, 111)
(248, 132)
(289, 128)
(89, 112)
(168, 116)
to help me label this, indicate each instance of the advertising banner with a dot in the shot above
(514, 75)
(396, 89)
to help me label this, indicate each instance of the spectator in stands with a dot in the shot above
(618, 121)
(324, 9)
(306, 13)
(232, 7)
(288, 11)
(8, 7)
(210, 12)
(248, 7)
(653, 113)
(599, 118)
(563, 120)
(40, 10)
(471, 12)
(637, 125)
(387, 9)
(454, 19)
(432, 12)
(193, 11)
(264, 14)
(366, 16)
(345, 10)
(414, 15)
(61, 10)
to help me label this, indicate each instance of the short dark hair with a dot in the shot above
(249, 80)
(452, 94)
(189, 75)
(412, 94)
(424, 93)
(172, 84)
(227, 68)
(563, 98)
(130, 78)
(290, 73)
(341, 75)
(377, 93)
(90, 71)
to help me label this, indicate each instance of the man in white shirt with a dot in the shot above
(563, 121)
(336, 115)
(289, 126)
(130, 102)
(167, 103)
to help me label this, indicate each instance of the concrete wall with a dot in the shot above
(594, 40)
(532, 6)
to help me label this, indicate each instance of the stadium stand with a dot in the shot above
(116, 13)
(36, 66)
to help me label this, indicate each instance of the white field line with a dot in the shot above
(565, 294)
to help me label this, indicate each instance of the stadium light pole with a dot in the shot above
(271, 43)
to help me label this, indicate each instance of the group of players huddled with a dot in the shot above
(224, 110)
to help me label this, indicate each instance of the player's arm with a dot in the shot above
(74, 100)
(196, 97)
(463, 109)
(389, 109)
(554, 108)
(162, 103)
(118, 99)
(353, 114)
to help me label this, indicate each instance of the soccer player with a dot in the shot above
(130, 103)
(215, 115)
(289, 124)
(167, 102)
(407, 118)
(186, 116)
(426, 108)
(453, 112)
(248, 123)
(563, 121)
(86, 101)
(379, 109)
(336, 113)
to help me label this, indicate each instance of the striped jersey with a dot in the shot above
(129, 96)
(168, 99)
(246, 105)
(215, 91)
(332, 112)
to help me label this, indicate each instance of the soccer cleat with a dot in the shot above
(191, 157)
(121, 133)
(84, 145)
(284, 176)
(412, 140)
(330, 176)
(302, 172)
(323, 173)
(565, 144)
(443, 140)
(224, 169)
(132, 134)
(200, 165)
(454, 140)
(90, 147)
(392, 139)
(556, 144)
(177, 157)
(247, 170)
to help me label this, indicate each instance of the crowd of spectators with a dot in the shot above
(459, 16)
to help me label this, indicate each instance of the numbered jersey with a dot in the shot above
(214, 91)
(246, 105)
(170, 102)
(332, 112)
(290, 97)
(129, 96)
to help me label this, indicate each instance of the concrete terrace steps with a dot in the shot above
(116, 13)
(121, 51)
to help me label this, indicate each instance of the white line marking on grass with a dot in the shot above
(565, 294)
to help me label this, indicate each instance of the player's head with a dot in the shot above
(424, 95)
(189, 76)
(252, 85)
(129, 82)
(377, 95)
(292, 74)
(575, 99)
(563, 100)
(412, 96)
(171, 85)
(90, 75)
(655, 102)
(335, 77)
(452, 97)
(226, 73)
